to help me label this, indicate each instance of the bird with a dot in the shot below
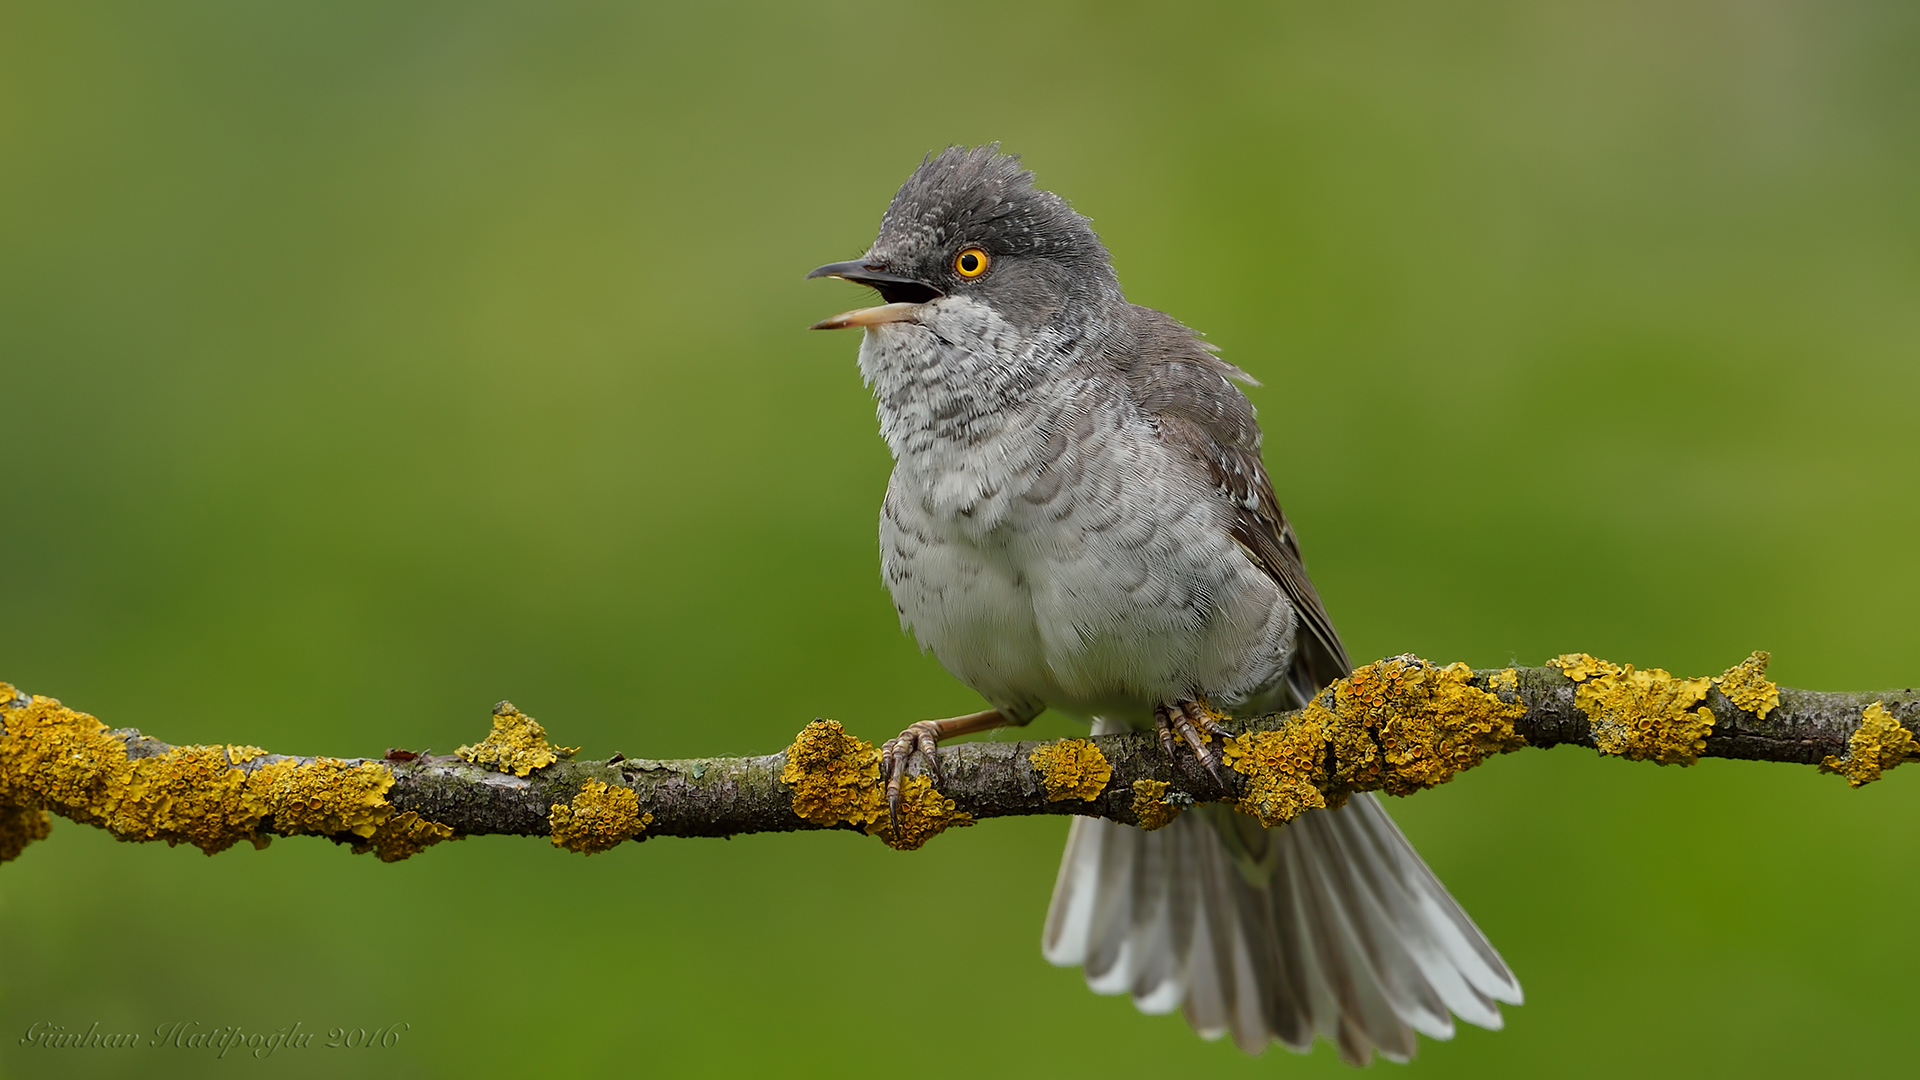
(1079, 520)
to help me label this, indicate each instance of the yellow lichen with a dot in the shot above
(403, 836)
(924, 814)
(518, 744)
(1433, 722)
(1151, 807)
(20, 826)
(1640, 715)
(1578, 666)
(1071, 769)
(1284, 769)
(1880, 743)
(600, 818)
(190, 793)
(1746, 685)
(326, 797)
(1504, 684)
(1399, 724)
(54, 758)
(835, 779)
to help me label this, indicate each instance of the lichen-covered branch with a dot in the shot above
(1398, 725)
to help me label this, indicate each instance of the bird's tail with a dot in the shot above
(1330, 925)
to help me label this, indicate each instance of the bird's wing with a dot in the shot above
(1176, 378)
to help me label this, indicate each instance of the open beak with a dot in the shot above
(869, 316)
(904, 295)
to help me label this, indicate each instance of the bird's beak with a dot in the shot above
(905, 293)
(869, 316)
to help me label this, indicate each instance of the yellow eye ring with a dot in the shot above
(970, 263)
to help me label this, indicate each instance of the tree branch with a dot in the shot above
(1398, 725)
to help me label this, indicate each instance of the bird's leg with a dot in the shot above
(1163, 726)
(1190, 720)
(924, 736)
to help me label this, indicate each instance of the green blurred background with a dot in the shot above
(362, 364)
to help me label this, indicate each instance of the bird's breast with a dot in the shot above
(1041, 539)
(1100, 578)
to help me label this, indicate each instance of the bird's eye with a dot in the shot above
(971, 263)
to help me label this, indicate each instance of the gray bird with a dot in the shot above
(1079, 520)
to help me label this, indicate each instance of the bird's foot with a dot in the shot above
(897, 753)
(923, 738)
(1191, 721)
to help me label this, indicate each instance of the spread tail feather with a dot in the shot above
(1330, 925)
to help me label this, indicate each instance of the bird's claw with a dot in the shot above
(896, 754)
(1190, 721)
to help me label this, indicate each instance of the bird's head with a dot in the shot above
(969, 225)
